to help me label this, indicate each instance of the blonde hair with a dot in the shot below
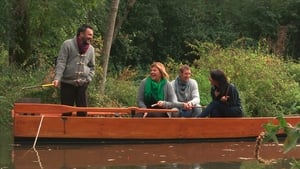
(161, 69)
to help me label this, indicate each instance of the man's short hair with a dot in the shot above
(83, 28)
(183, 68)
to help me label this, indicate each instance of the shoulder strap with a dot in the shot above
(227, 91)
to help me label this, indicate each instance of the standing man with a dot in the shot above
(75, 68)
(187, 92)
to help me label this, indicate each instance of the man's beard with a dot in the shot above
(86, 41)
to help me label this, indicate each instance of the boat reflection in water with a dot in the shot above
(208, 155)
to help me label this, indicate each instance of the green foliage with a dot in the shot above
(98, 100)
(123, 91)
(266, 88)
(264, 82)
(292, 132)
(294, 71)
(14, 79)
(34, 39)
(283, 163)
(3, 56)
(295, 164)
(293, 135)
(153, 29)
(201, 76)
(273, 129)
(133, 45)
(156, 29)
(5, 118)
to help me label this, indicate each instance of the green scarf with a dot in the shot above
(154, 91)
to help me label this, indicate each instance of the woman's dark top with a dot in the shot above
(231, 108)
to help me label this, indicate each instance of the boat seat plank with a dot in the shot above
(40, 108)
(58, 108)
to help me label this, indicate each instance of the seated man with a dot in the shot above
(187, 92)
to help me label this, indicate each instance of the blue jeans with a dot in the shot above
(218, 109)
(215, 109)
(196, 111)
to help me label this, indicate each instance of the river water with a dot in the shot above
(192, 155)
(200, 155)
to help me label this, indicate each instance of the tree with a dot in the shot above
(19, 48)
(32, 31)
(121, 19)
(108, 37)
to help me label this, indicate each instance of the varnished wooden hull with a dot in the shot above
(26, 126)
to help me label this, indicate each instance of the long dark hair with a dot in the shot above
(220, 77)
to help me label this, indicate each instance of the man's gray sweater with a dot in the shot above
(72, 67)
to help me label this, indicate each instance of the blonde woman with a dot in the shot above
(156, 91)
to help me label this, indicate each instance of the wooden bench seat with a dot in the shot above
(33, 109)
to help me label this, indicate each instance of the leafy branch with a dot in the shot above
(272, 132)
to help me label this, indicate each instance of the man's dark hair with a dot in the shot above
(83, 28)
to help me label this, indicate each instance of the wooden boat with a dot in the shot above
(34, 120)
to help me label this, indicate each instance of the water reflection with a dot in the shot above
(5, 148)
(211, 155)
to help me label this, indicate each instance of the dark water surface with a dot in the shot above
(200, 155)
(205, 155)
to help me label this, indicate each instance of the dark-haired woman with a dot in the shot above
(225, 97)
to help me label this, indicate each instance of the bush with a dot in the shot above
(266, 88)
(12, 81)
(120, 89)
(268, 85)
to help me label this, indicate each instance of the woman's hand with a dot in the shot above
(160, 103)
(224, 98)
